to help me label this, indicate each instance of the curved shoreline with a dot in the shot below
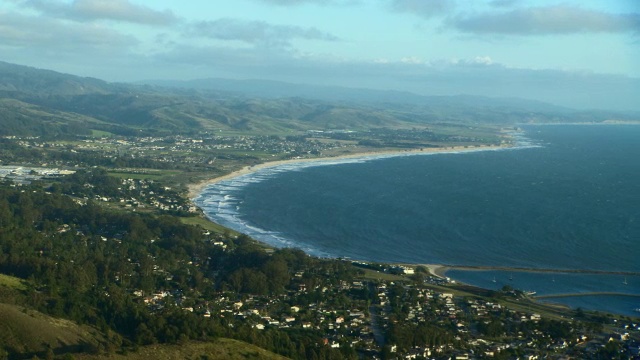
(439, 270)
(195, 189)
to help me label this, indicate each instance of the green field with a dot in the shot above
(12, 282)
(100, 133)
(370, 274)
(207, 225)
(143, 174)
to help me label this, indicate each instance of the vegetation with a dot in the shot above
(28, 332)
(112, 259)
(219, 349)
(45, 103)
(12, 282)
(83, 262)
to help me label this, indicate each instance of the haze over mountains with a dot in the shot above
(279, 89)
(46, 102)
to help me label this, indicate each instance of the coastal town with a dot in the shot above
(211, 150)
(24, 175)
(411, 319)
(352, 308)
(319, 180)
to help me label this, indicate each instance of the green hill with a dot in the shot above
(24, 119)
(44, 102)
(25, 332)
(220, 349)
(25, 79)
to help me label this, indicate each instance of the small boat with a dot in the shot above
(625, 281)
(637, 310)
(530, 293)
(494, 279)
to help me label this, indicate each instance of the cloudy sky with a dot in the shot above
(578, 53)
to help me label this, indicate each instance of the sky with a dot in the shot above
(578, 53)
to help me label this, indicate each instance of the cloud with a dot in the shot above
(423, 8)
(503, 3)
(52, 36)
(300, 2)
(547, 20)
(474, 76)
(116, 10)
(483, 60)
(412, 60)
(257, 33)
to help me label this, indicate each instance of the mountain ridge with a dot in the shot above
(53, 103)
(280, 89)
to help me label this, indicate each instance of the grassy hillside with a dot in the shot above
(24, 331)
(42, 102)
(218, 349)
(23, 119)
(12, 282)
(25, 79)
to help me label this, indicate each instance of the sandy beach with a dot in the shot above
(435, 269)
(195, 189)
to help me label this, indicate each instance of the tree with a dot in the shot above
(422, 269)
(144, 336)
(277, 271)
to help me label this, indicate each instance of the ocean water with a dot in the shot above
(567, 197)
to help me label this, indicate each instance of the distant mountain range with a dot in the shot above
(43, 102)
(28, 80)
(277, 89)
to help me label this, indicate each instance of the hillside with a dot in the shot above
(43, 102)
(25, 79)
(220, 349)
(278, 90)
(24, 331)
(23, 119)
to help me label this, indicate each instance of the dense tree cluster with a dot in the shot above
(84, 261)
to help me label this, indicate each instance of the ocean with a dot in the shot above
(566, 197)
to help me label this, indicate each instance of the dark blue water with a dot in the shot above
(573, 202)
(564, 283)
